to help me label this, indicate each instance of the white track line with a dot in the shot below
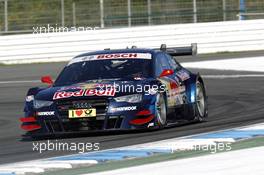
(253, 64)
(19, 82)
(233, 76)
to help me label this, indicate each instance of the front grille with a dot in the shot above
(53, 126)
(100, 104)
(77, 125)
(56, 126)
(114, 122)
(100, 122)
(83, 124)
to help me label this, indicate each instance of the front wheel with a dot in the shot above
(201, 103)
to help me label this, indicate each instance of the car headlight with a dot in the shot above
(41, 103)
(135, 98)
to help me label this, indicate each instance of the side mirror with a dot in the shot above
(166, 72)
(47, 79)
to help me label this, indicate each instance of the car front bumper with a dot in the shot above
(111, 116)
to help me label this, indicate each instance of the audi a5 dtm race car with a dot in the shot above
(125, 89)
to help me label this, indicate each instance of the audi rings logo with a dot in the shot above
(82, 105)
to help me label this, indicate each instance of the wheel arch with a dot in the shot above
(190, 108)
(191, 87)
(200, 79)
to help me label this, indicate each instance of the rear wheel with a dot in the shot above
(161, 110)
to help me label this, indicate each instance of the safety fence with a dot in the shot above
(61, 46)
(18, 16)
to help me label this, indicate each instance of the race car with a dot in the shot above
(122, 89)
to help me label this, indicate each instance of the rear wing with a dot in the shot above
(179, 51)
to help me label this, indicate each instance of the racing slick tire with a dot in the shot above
(198, 110)
(161, 110)
(201, 109)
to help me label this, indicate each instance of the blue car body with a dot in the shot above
(96, 105)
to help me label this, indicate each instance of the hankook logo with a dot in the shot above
(46, 113)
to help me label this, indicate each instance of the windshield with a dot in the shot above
(104, 69)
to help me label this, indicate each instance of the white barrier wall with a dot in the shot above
(211, 37)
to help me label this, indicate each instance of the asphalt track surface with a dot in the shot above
(232, 102)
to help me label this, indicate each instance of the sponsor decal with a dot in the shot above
(174, 85)
(126, 108)
(175, 93)
(46, 113)
(80, 113)
(85, 92)
(95, 85)
(118, 55)
(150, 125)
(111, 56)
(86, 86)
(183, 75)
(177, 79)
(64, 94)
(138, 78)
(70, 88)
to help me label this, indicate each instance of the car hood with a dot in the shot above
(92, 89)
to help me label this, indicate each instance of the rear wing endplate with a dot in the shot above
(179, 51)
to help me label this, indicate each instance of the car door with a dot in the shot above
(177, 84)
(170, 81)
